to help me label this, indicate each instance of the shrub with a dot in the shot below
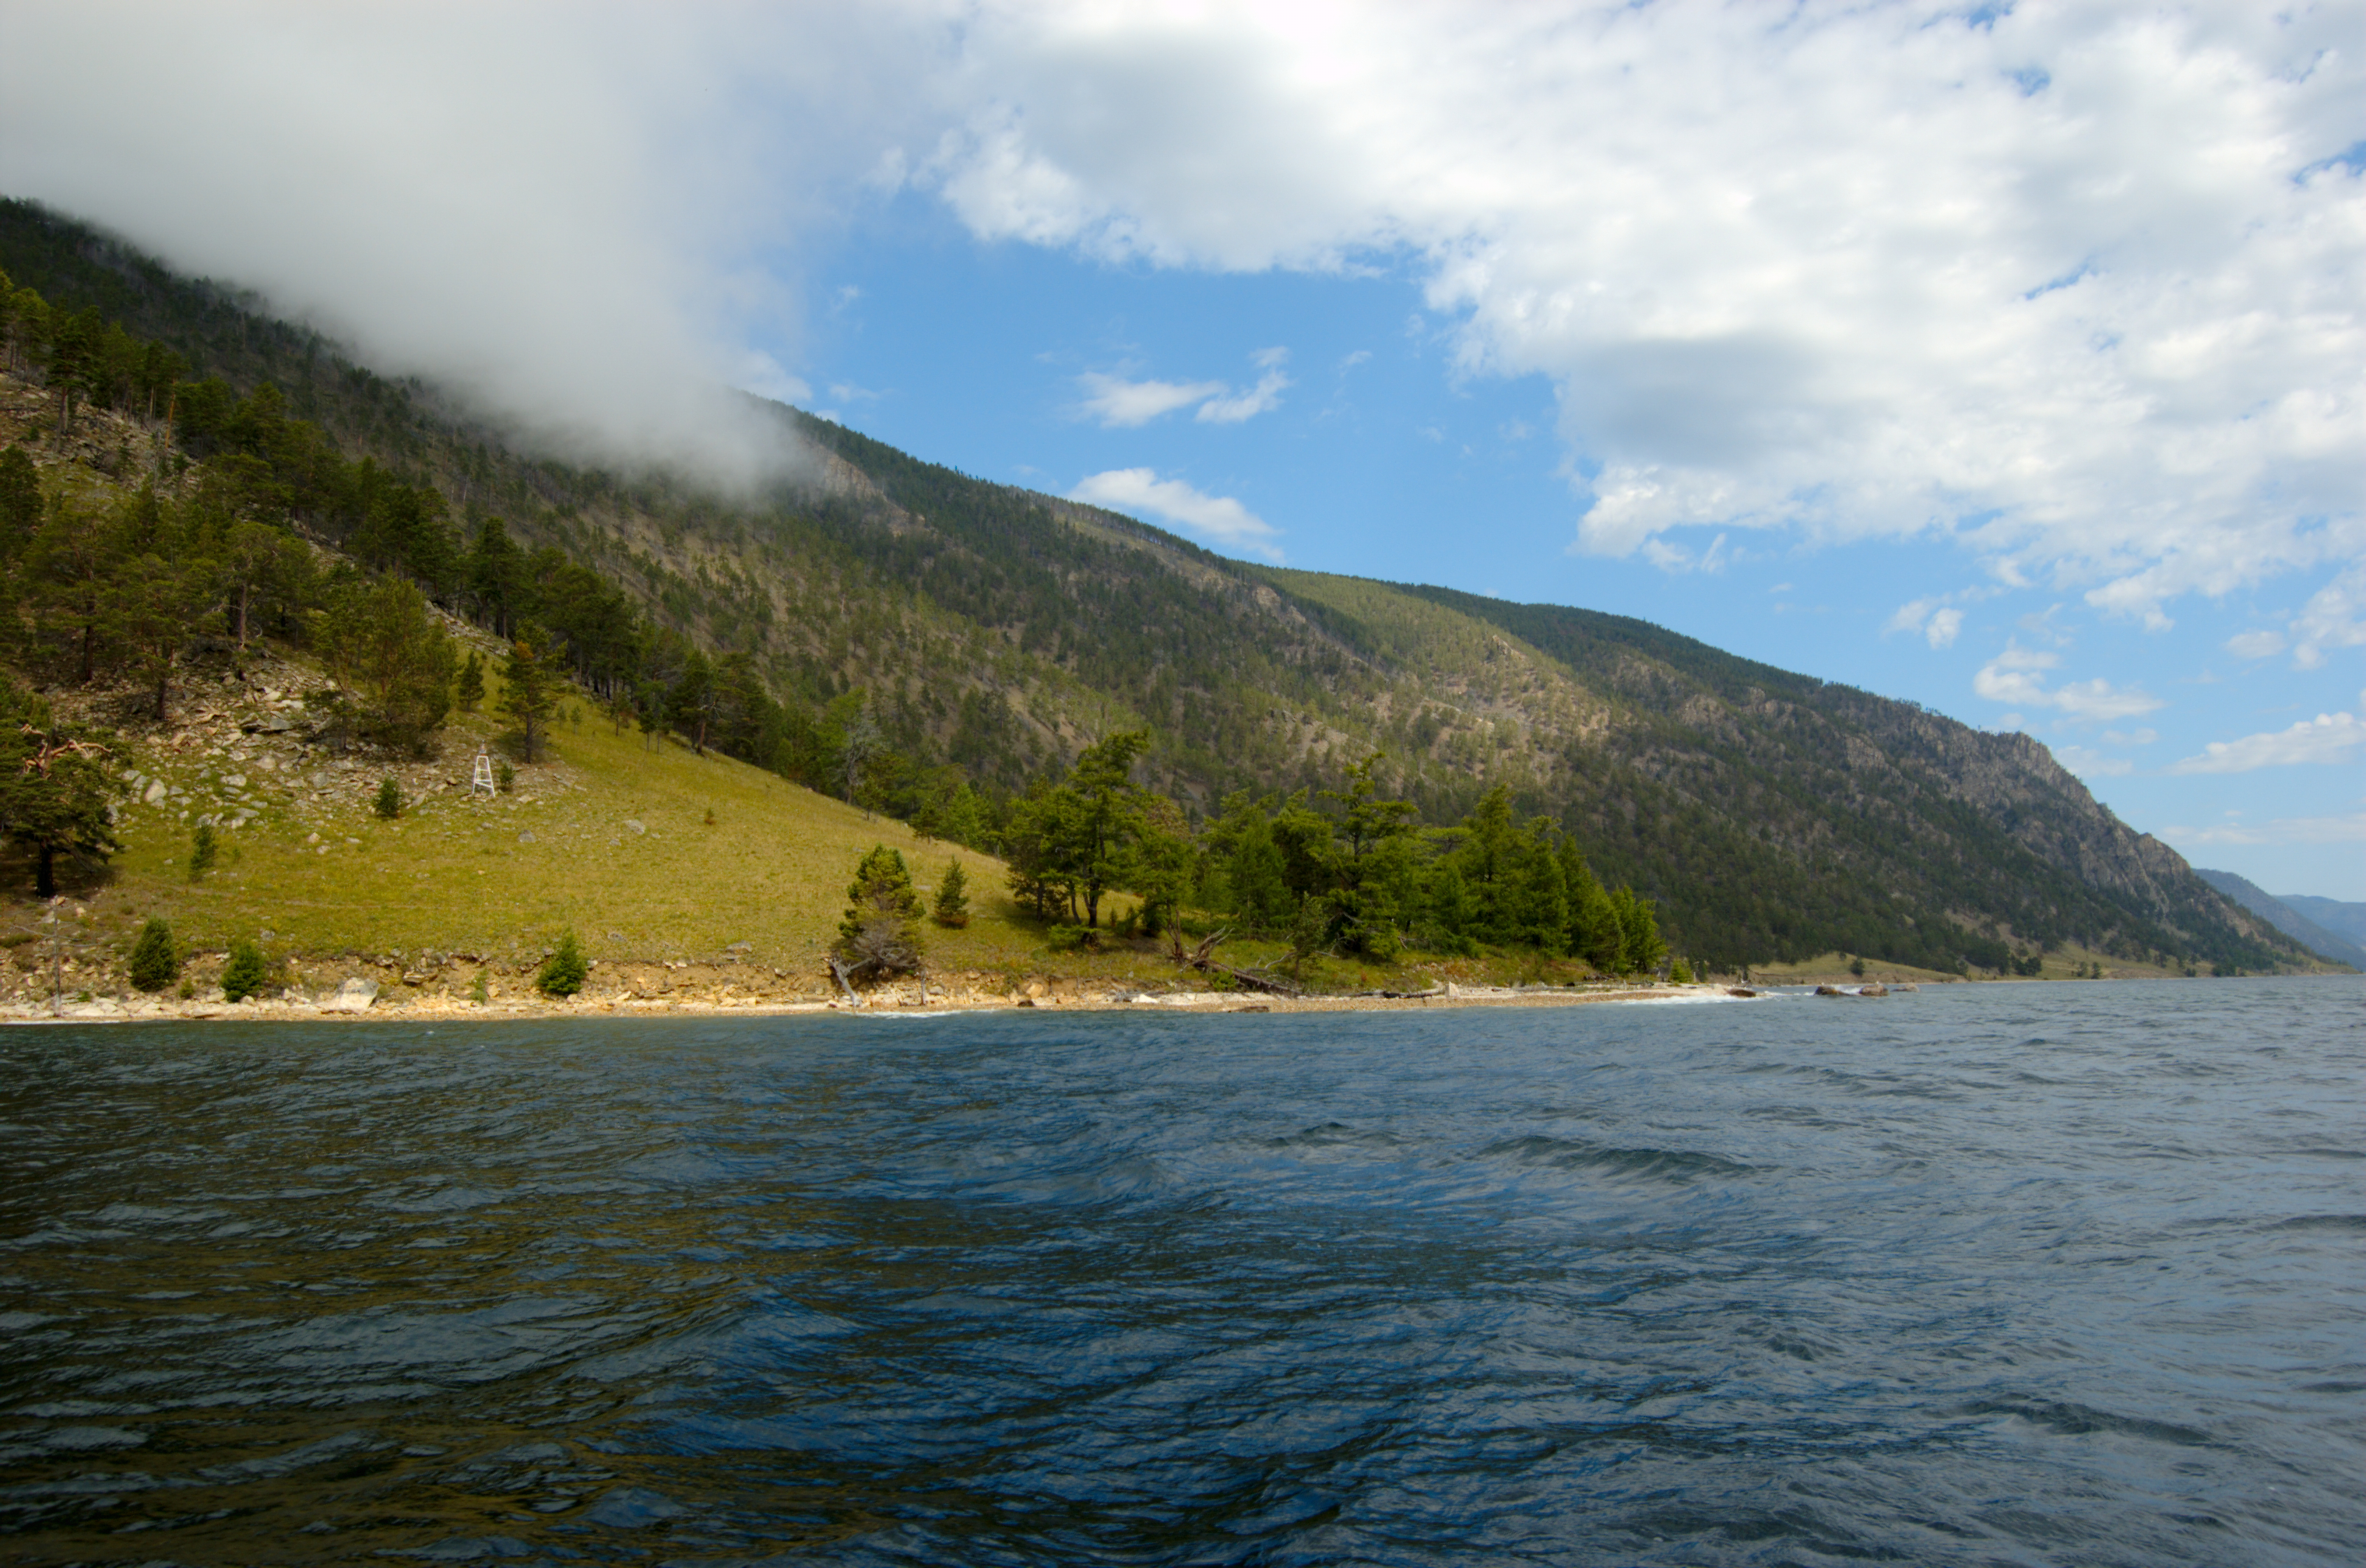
(563, 972)
(476, 991)
(203, 850)
(155, 963)
(243, 976)
(504, 776)
(879, 936)
(1856, 967)
(952, 896)
(1680, 973)
(390, 800)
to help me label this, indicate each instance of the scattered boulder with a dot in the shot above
(354, 996)
(1873, 988)
(1739, 991)
(1829, 991)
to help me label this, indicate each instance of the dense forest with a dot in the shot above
(1339, 763)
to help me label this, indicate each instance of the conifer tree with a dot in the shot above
(471, 690)
(562, 974)
(20, 499)
(244, 975)
(54, 790)
(952, 896)
(156, 963)
(880, 933)
(527, 694)
(203, 847)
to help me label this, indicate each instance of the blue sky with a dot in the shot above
(2003, 358)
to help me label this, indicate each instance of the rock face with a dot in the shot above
(354, 996)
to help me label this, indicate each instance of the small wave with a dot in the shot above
(2082, 1420)
(1568, 1154)
(1333, 1134)
(1687, 999)
(2321, 1223)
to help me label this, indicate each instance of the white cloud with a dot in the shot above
(2260, 644)
(2016, 676)
(2074, 280)
(1123, 404)
(2334, 616)
(552, 214)
(2349, 829)
(2087, 296)
(2090, 765)
(2011, 677)
(762, 374)
(1119, 403)
(2329, 738)
(1217, 518)
(1266, 395)
(1945, 624)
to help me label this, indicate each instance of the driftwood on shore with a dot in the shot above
(1202, 958)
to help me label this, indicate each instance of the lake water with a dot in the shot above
(2034, 1274)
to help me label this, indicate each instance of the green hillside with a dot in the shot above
(991, 634)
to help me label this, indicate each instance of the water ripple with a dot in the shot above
(2034, 1274)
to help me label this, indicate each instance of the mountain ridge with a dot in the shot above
(1000, 630)
(2324, 942)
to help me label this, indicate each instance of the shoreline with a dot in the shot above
(442, 1009)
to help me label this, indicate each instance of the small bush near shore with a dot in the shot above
(155, 963)
(243, 976)
(563, 972)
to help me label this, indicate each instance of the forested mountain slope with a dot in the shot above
(996, 631)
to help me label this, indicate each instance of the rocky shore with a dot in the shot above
(358, 1001)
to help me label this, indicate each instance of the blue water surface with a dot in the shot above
(2060, 1273)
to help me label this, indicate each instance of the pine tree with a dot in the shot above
(155, 963)
(952, 896)
(54, 791)
(562, 974)
(472, 684)
(244, 975)
(389, 803)
(526, 691)
(203, 847)
(880, 933)
(20, 499)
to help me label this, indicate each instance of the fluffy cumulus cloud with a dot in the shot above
(2018, 676)
(2076, 281)
(2328, 737)
(1219, 519)
(1938, 626)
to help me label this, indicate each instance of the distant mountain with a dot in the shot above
(2293, 921)
(2342, 919)
(1769, 813)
